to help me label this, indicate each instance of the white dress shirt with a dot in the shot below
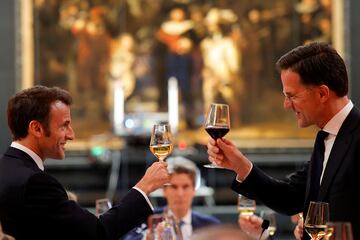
(32, 154)
(333, 127)
(186, 227)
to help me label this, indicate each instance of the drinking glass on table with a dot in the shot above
(217, 123)
(271, 217)
(246, 206)
(316, 220)
(339, 231)
(163, 227)
(102, 205)
(161, 141)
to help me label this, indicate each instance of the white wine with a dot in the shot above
(161, 151)
(247, 211)
(316, 231)
(329, 232)
(272, 230)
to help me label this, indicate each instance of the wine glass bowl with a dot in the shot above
(161, 141)
(339, 231)
(163, 226)
(217, 123)
(316, 220)
(271, 217)
(245, 205)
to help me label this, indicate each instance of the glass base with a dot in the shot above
(211, 165)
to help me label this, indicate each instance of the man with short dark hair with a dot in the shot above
(315, 86)
(33, 204)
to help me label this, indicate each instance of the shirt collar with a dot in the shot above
(333, 126)
(186, 219)
(32, 154)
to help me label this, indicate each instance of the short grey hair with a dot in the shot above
(183, 165)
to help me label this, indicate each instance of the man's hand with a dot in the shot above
(298, 231)
(155, 177)
(252, 225)
(225, 154)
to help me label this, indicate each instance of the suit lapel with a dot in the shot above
(339, 150)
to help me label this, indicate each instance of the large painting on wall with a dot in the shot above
(217, 50)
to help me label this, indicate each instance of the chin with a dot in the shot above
(59, 156)
(301, 124)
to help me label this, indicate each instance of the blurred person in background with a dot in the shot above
(315, 86)
(33, 204)
(222, 232)
(179, 197)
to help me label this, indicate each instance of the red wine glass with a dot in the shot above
(217, 123)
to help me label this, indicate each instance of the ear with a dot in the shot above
(324, 93)
(35, 128)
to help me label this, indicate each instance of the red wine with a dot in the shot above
(217, 132)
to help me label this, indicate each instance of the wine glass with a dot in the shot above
(160, 143)
(163, 226)
(102, 205)
(271, 217)
(217, 123)
(339, 231)
(246, 206)
(316, 220)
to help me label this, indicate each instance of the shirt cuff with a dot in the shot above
(246, 175)
(146, 197)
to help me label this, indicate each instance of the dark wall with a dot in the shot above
(7, 65)
(353, 49)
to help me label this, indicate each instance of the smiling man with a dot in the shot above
(33, 204)
(315, 85)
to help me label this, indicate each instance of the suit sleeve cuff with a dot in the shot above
(246, 175)
(145, 196)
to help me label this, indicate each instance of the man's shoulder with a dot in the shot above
(202, 218)
(16, 168)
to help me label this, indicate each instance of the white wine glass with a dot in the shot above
(217, 123)
(162, 227)
(271, 217)
(316, 220)
(245, 205)
(161, 141)
(339, 231)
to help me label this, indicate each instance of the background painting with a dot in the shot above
(219, 51)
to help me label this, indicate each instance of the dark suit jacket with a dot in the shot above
(198, 221)
(34, 205)
(339, 186)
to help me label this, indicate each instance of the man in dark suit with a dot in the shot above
(315, 85)
(34, 205)
(179, 196)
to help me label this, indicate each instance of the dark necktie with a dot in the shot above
(317, 164)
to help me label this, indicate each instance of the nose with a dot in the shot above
(70, 134)
(179, 191)
(287, 103)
